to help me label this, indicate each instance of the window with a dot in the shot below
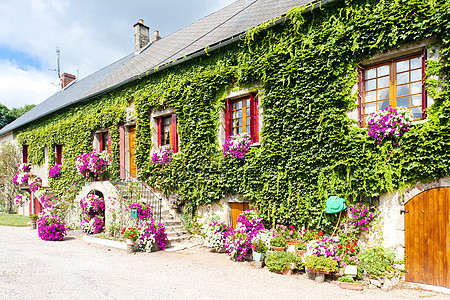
(25, 154)
(167, 132)
(58, 153)
(242, 116)
(104, 142)
(398, 83)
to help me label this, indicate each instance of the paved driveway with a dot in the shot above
(72, 269)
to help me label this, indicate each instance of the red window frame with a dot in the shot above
(25, 154)
(254, 117)
(393, 85)
(171, 130)
(104, 141)
(59, 154)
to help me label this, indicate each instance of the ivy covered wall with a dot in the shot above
(310, 149)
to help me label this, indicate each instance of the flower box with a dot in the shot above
(351, 286)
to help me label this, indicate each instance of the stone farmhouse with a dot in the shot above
(300, 77)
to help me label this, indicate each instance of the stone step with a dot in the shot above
(170, 222)
(173, 235)
(178, 239)
(174, 228)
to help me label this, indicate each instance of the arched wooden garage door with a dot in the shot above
(427, 238)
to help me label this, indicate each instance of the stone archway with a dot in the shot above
(420, 187)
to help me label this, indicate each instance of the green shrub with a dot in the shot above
(321, 263)
(376, 261)
(278, 261)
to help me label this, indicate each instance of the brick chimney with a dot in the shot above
(155, 36)
(141, 35)
(66, 79)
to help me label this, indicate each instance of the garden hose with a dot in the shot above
(339, 219)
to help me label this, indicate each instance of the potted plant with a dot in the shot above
(259, 249)
(346, 282)
(33, 220)
(279, 243)
(282, 262)
(300, 248)
(319, 265)
(131, 234)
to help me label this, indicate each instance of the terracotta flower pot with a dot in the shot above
(351, 286)
(278, 248)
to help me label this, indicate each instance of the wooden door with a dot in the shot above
(236, 209)
(427, 238)
(132, 149)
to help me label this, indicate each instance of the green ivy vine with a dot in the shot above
(306, 67)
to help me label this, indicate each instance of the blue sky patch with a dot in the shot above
(21, 59)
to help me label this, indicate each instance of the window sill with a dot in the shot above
(256, 145)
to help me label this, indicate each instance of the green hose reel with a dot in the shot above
(334, 205)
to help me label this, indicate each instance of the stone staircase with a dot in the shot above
(176, 234)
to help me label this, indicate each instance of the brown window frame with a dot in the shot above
(392, 98)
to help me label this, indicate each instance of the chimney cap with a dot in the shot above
(141, 23)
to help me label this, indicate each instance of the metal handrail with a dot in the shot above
(144, 190)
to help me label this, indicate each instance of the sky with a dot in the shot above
(90, 34)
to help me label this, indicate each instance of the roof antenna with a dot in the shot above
(58, 69)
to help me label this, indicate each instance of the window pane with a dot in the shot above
(247, 111)
(416, 112)
(402, 90)
(239, 105)
(383, 82)
(416, 63)
(402, 66)
(370, 96)
(416, 100)
(248, 128)
(416, 87)
(416, 75)
(248, 103)
(370, 108)
(233, 106)
(239, 113)
(403, 78)
(238, 129)
(383, 70)
(248, 120)
(166, 121)
(403, 102)
(383, 94)
(370, 84)
(382, 104)
(238, 122)
(371, 73)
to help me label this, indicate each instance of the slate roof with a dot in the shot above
(219, 26)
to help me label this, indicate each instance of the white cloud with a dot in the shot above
(90, 35)
(19, 87)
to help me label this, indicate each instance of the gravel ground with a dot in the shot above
(73, 269)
